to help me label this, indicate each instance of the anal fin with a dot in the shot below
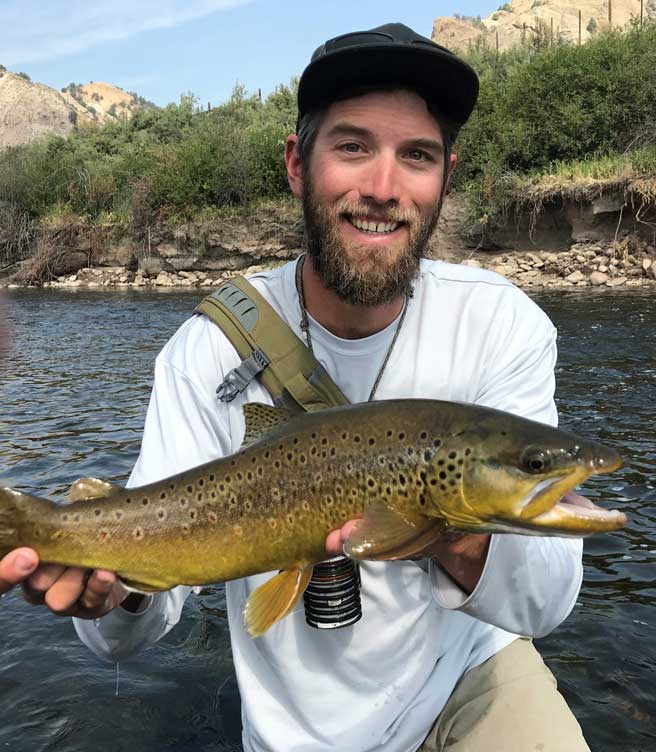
(134, 586)
(384, 534)
(92, 488)
(275, 599)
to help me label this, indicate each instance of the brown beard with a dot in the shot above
(370, 280)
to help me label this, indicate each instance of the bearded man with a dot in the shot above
(440, 657)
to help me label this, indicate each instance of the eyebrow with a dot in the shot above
(349, 129)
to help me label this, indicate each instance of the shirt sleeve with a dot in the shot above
(184, 428)
(529, 584)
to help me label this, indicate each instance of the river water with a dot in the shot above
(74, 390)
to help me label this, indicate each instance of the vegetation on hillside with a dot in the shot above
(540, 111)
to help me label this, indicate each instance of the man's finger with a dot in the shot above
(16, 566)
(63, 596)
(37, 585)
(98, 589)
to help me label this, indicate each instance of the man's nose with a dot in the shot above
(382, 182)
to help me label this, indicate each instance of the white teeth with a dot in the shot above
(374, 226)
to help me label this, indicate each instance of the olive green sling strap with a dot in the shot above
(269, 350)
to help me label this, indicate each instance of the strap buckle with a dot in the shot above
(240, 377)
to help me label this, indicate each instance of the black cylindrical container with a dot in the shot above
(332, 598)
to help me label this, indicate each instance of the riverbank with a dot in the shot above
(631, 264)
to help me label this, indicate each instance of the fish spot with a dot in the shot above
(433, 482)
(289, 456)
(212, 477)
(372, 441)
(324, 454)
(427, 456)
(389, 434)
(306, 506)
(333, 451)
(452, 482)
(237, 530)
(313, 451)
(371, 482)
(201, 482)
(290, 519)
(468, 451)
(267, 454)
(103, 535)
(128, 500)
(183, 503)
(423, 476)
(402, 480)
(144, 502)
(185, 528)
(410, 451)
(249, 475)
(388, 491)
(295, 439)
(248, 504)
(228, 479)
(233, 463)
(349, 467)
(97, 512)
(423, 435)
(161, 514)
(302, 459)
(76, 518)
(401, 435)
(162, 495)
(118, 514)
(344, 435)
(64, 518)
(138, 533)
(212, 517)
(357, 439)
(192, 514)
(339, 490)
(422, 500)
(276, 464)
(458, 475)
(440, 463)
(504, 433)
(442, 487)
(437, 443)
(260, 471)
(314, 435)
(275, 493)
(273, 524)
(190, 489)
(213, 494)
(199, 497)
(324, 441)
(451, 468)
(221, 487)
(461, 461)
(443, 475)
(452, 455)
(240, 476)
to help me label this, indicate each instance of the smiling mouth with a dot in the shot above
(373, 227)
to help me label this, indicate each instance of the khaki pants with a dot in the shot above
(509, 703)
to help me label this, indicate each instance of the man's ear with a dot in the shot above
(453, 161)
(294, 167)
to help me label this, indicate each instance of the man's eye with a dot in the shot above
(418, 155)
(351, 148)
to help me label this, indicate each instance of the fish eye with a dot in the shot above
(535, 461)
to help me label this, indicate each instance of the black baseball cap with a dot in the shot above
(389, 55)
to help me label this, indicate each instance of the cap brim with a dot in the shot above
(451, 83)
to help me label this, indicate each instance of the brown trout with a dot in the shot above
(408, 469)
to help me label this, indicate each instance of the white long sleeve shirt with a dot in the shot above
(469, 336)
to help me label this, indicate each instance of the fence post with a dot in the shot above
(579, 28)
(610, 12)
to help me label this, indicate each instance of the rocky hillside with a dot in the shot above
(520, 21)
(29, 111)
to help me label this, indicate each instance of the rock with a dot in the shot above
(646, 264)
(651, 272)
(471, 262)
(598, 278)
(575, 277)
(602, 260)
(581, 258)
(617, 282)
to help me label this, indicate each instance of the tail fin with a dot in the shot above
(15, 509)
(8, 520)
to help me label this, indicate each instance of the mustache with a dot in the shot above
(362, 209)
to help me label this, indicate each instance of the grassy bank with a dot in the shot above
(565, 114)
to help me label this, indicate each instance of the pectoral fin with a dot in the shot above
(384, 533)
(92, 488)
(275, 599)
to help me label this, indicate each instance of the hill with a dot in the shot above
(29, 111)
(525, 21)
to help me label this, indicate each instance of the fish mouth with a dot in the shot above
(575, 516)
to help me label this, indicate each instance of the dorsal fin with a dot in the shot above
(92, 488)
(261, 419)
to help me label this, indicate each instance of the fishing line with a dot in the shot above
(117, 679)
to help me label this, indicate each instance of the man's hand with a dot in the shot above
(66, 591)
(461, 555)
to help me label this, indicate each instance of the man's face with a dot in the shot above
(371, 194)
